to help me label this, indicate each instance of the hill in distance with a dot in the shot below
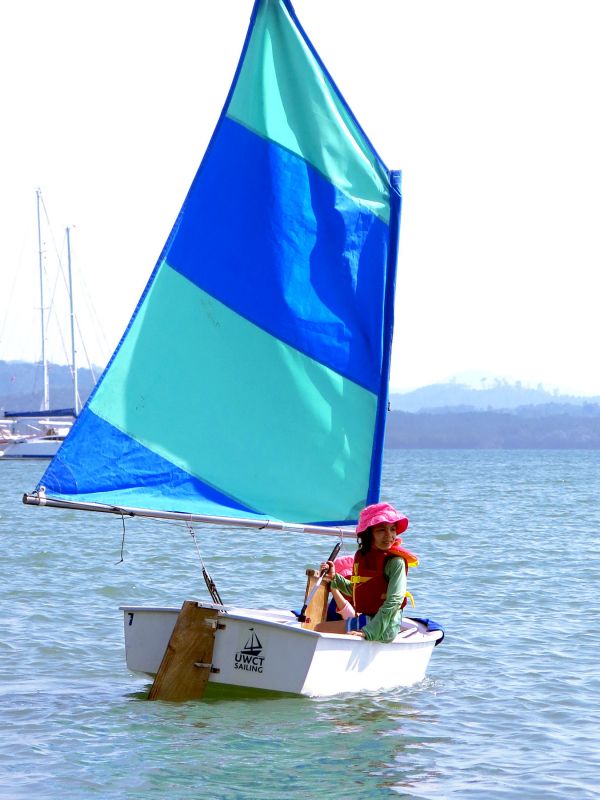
(500, 394)
(22, 385)
(21, 388)
(450, 415)
(499, 416)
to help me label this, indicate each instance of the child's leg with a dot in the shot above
(337, 626)
(344, 608)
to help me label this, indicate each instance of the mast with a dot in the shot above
(72, 318)
(46, 401)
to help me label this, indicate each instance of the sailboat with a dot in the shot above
(268, 320)
(39, 434)
(33, 434)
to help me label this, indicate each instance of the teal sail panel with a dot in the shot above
(252, 379)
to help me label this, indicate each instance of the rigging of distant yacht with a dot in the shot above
(39, 434)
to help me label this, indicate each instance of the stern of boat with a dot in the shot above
(264, 650)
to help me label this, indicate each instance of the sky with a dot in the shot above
(489, 108)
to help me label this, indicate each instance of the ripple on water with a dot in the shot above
(509, 547)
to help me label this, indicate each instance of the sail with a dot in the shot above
(252, 378)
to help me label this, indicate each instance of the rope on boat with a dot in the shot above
(210, 584)
(120, 561)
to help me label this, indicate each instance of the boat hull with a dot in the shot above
(32, 448)
(268, 650)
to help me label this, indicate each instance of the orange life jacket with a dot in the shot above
(369, 583)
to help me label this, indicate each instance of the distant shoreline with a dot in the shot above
(442, 416)
(494, 430)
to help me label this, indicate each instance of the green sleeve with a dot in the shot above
(385, 625)
(342, 585)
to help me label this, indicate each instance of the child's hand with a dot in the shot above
(330, 567)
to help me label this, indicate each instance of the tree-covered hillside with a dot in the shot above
(494, 394)
(22, 385)
(496, 429)
(451, 420)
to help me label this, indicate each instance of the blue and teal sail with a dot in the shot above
(252, 379)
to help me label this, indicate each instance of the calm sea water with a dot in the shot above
(510, 564)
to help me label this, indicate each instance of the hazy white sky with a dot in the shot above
(489, 108)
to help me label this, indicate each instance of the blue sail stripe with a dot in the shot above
(124, 472)
(269, 236)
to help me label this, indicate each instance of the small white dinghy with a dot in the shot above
(269, 650)
(264, 337)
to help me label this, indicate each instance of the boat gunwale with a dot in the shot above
(424, 637)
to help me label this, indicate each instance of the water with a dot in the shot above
(509, 545)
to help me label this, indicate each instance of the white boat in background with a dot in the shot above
(39, 434)
(36, 447)
(264, 336)
(33, 437)
(6, 432)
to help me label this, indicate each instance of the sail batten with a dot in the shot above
(267, 321)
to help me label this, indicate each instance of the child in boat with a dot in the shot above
(378, 582)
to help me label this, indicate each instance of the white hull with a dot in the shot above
(32, 448)
(33, 437)
(286, 657)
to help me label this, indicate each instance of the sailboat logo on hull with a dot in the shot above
(249, 656)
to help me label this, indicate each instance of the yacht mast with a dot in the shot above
(72, 317)
(46, 401)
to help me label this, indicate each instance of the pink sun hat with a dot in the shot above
(378, 513)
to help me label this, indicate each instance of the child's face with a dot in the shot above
(384, 534)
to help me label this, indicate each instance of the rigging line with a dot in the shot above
(53, 239)
(60, 273)
(68, 288)
(76, 320)
(52, 313)
(85, 351)
(92, 317)
(122, 540)
(63, 274)
(210, 584)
